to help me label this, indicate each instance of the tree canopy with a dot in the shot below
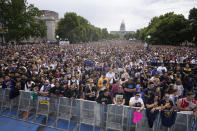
(170, 29)
(21, 20)
(77, 29)
(193, 25)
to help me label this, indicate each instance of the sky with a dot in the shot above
(110, 13)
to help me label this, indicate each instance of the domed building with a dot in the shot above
(122, 26)
(122, 31)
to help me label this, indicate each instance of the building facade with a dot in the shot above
(51, 19)
(122, 31)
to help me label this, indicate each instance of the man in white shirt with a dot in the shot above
(44, 91)
(110, 75)
(29, 85)
(137, 101)
(193, 61)
(162, 68)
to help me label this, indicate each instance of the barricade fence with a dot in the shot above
(49, 112)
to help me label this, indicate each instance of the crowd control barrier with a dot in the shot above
(49, 112)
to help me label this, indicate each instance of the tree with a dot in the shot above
(78, 29)
(167, 29)
(136, 34)
(105, 33)
(128, 36)
(114, 36)
(77, 35)
(21, 20)
(193, 25)
(67, 24)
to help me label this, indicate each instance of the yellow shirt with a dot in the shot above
(187, 69)
(100, 83)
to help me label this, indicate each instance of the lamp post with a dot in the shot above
(148, 36)
(146, 45)
(57, 37)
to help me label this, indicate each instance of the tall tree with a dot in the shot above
(167, 29)
(193, 24)
(128, 36)
(78, 29)
(21, 20)
(105, 33)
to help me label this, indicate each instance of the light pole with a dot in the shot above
(57, 37)
(147, 42)
(148, 36)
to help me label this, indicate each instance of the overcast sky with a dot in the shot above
(109, 13)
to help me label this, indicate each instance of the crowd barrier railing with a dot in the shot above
(86, 112)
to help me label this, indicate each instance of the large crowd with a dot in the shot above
(119, 73)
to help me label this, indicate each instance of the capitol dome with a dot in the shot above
(122, 26)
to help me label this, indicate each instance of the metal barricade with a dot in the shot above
(54, 103)
(192, 126)
(64, 110)
(6, 104)
(181, 122)
(75, 110)
(43, 105)
(9, 106)
(32, 108)
(142, 125)
(27, 106)
(24, 101)
(128, 125)
(115, 117)
(14, 107)
(103, 116)
(2, 91)
(87, 113)
(84, 112)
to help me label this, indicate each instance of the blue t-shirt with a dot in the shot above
(129, 86)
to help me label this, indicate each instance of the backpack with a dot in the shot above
(168, 118)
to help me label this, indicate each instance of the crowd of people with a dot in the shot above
(119, 73)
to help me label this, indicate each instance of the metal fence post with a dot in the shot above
(128, 119)
(187, 123)
(2, 94)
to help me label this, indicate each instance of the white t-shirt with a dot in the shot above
(193, 61)
(110, 76)
(179, 88)
(160, 68)
(52, 85)
(47, 88)
(29, 85)
(173, 98)
(133, 100)
(131, 64)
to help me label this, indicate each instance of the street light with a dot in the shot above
(57, 37)
(146, 45)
